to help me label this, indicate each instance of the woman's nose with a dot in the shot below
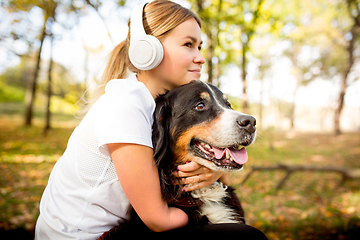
(199, 58)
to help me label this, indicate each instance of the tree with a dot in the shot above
(48, 10)
(303, 72)
(247, 28)
(329, 29)
(49, 88)
(211, 14)
(339, 38)
(225, 24)
(31, 91)
(352, 39)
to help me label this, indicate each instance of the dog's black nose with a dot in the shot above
(247, 122)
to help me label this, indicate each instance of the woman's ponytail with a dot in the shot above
(116, 67)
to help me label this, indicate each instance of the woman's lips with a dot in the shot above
(196, 71)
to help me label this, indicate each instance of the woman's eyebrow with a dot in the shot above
(194, 39)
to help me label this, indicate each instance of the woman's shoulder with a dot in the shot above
(128, 92)
(128, 85)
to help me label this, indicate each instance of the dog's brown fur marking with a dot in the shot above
(205, 96)
(201, 131)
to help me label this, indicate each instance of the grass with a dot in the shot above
(26, 159)
(309, 206)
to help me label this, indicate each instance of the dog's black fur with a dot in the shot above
(175, 113)
(181, 109)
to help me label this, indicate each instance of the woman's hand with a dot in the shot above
(195, 176)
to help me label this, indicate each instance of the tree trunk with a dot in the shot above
(340, 105)
(243, 78)
(216, 79)
(245, 47)
(350, 49)
(210, 50)
(49, 90)
(31, 90)
(293, 104)
(209, 56)
(261, 105)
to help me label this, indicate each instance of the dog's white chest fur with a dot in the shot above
(213, 207)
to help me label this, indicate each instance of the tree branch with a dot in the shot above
(346, 173)
(96, 8)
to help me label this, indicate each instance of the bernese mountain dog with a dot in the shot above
(195, 122)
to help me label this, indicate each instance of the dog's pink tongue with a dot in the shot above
(239, 156)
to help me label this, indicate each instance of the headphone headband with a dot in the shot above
(136, 23)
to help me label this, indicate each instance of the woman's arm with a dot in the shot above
(138, 175)
(192, 172)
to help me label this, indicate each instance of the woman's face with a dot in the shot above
(182, 60)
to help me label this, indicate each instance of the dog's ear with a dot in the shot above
(160, 131)
(161, 143)
(162, 148)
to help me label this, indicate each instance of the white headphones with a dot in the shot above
(145, 51)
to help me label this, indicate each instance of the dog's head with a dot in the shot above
(195, 122)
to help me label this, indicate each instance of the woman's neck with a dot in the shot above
(152, 84)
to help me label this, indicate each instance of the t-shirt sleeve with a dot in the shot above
(124, 118)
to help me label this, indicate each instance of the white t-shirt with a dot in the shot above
(84, 197)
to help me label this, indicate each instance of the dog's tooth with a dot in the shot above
(240, 147)
(227, 154)
(207, 146)
(231, 159)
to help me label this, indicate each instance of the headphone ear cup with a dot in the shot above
(159, 52)
(145, 52)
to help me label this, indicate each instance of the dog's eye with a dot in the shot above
(228, 104)
(200, 106)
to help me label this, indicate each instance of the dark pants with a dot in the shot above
(211, 231)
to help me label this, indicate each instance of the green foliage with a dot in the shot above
(235, 103)
(10, 93)
(66, 92)
(18, 75)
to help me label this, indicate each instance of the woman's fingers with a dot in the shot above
(189, 167)
(194, 176)
(197, 178)
(192, 187)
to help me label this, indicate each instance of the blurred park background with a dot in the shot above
(293, 64)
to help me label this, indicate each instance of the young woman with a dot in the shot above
(108, 166)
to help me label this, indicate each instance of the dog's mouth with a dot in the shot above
(233, 157)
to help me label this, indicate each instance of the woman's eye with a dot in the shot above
(188, 44)
(200, 107)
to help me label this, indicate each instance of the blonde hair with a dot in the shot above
(159, 18)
